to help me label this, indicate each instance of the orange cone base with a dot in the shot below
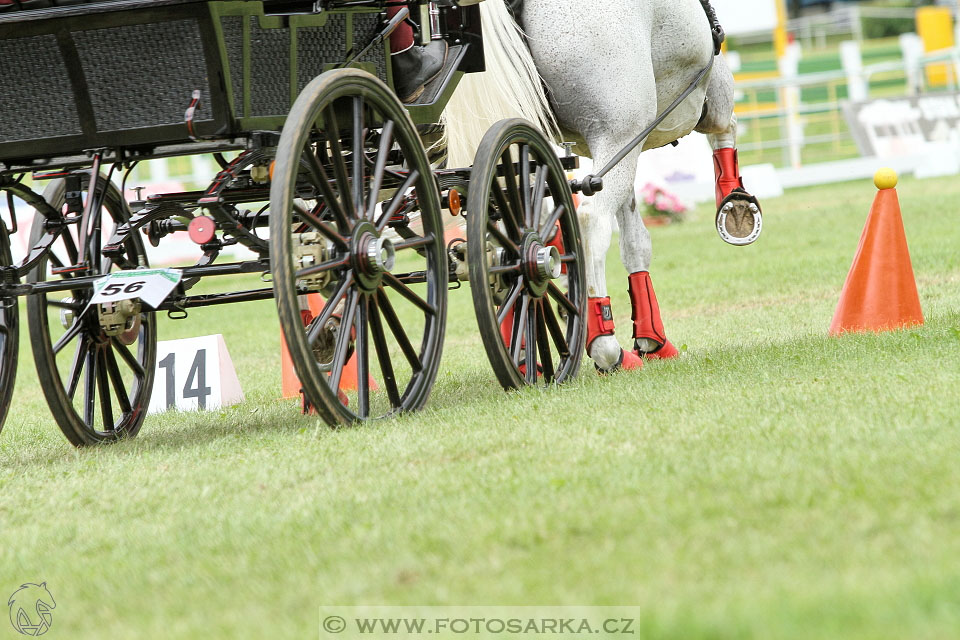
(880, 293)
(290, 382)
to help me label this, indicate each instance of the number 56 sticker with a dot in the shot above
(150, 285)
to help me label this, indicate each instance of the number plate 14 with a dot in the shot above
(194, 373)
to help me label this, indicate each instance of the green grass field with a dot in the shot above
(771, 483)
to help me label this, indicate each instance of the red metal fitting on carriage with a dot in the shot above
(202, 230)
(647, 324)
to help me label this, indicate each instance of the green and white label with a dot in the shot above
(150, 285)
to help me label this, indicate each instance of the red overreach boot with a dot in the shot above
(726, 167)
(646, 318)
(600, 323)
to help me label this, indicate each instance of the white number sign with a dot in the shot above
(194, 373)
(150, 285)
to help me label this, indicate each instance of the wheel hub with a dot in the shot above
(541, 264)
(372, 255)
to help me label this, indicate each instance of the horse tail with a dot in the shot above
(511, 87)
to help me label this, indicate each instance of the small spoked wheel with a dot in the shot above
(9, 334)
(355, 219)
(96, 365)
(525, 258)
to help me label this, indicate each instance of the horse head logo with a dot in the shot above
(30, 607)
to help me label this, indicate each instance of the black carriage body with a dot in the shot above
(120, 75)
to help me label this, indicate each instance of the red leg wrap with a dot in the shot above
(726, 167)
(600, 323)
(647, 323)
(599, 319)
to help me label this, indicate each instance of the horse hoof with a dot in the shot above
(665, 352)
(739, 219)
(629, 361)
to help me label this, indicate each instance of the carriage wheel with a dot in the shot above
(97, 386)
(350, 168)
(525, 258)
(9, 334)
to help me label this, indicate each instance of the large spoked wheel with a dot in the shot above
(525, 258)
(9, 334)
(355, 215)
(97, 385)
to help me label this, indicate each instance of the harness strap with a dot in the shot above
(718, 34)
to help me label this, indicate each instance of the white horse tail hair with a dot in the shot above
(511, 87)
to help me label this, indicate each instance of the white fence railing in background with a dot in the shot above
(819, 124)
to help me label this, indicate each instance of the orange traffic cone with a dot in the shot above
(290, 382)
(880, 293)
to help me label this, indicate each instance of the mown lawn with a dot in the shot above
(771, 483)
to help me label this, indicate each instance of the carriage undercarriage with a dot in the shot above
(324, 179)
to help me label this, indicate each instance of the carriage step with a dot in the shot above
(438, 86)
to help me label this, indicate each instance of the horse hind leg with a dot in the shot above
(596, 222)
(739, 217)
(636, 251)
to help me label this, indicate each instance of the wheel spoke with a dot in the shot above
(511, 300)
(543, 344)
(505, 269)
(316, 326)
(339, 164)
(393, 282)
(539, 189)
(76, 368)
(70, 334)
(383, 353)
(506, 212)
(551, 223)
(564, 301)
(103, 390)
(324, 230)
(530, 344)
(512, 187)
(60, 304)
(72, 254)
(323, 266)
(556, 331)
(343, 341)
(358, 156)
(321, 180)
(524, 184)
(129, 359)
(396, 327)
(500, 237)
(386, 143)
(397, 201)
(363, 360)
(415, 243)
(90, 387)
(110, 359)
(516, 336)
